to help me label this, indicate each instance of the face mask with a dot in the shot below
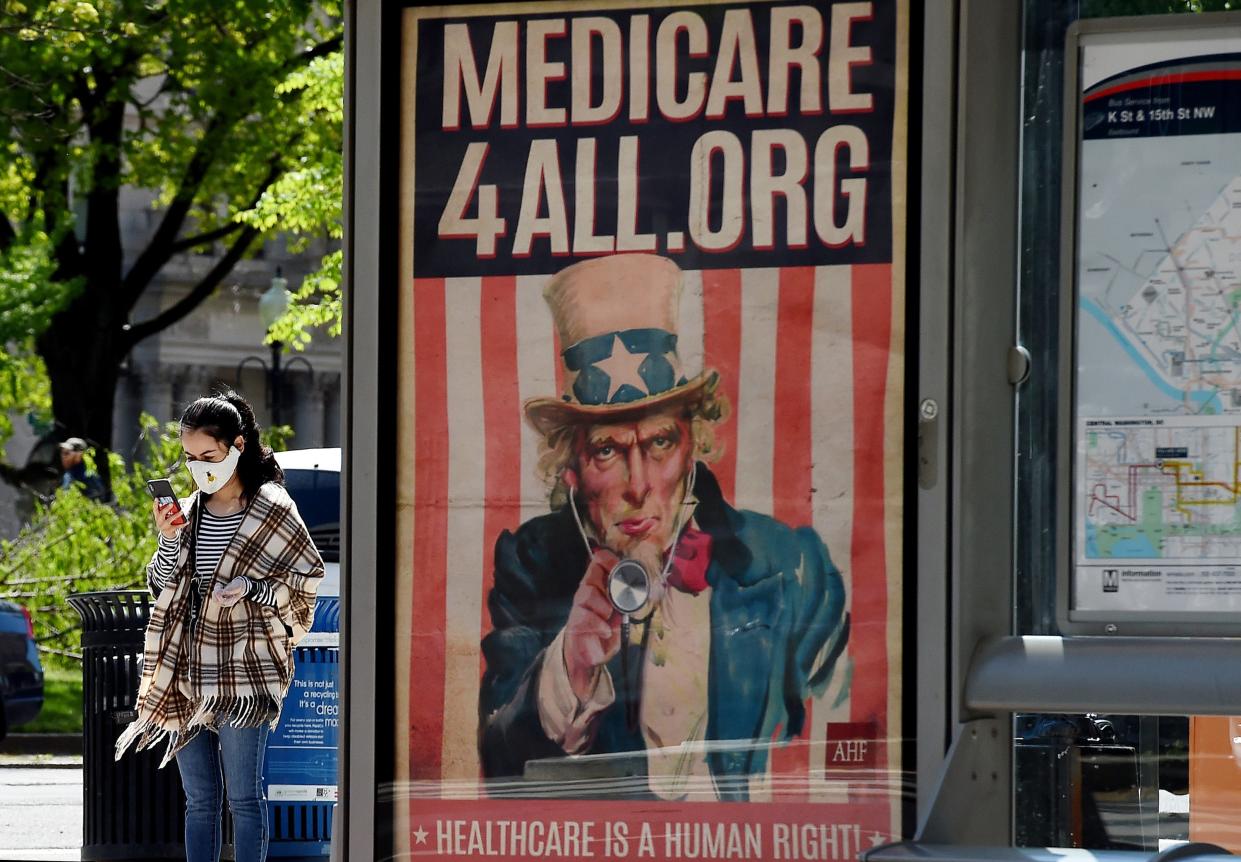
(212, 476)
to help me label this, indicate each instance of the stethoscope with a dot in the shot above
(630, 590)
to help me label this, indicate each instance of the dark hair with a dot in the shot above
(226, 417)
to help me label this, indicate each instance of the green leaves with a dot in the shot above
(306, 201)
(24, 390)
(204, 103)
(29, 295)
(74, 544)
(211, 108)
(315, 307)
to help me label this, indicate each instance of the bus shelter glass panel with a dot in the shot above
(650, 449)
(1150, 533)
(1127, 782)
(1155, 517)
(1156, 166)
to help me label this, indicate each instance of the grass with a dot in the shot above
(62, 703)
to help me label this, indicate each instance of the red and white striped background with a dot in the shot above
(806, 362)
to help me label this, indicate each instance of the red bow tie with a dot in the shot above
(690, 558)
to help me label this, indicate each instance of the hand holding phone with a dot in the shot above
(168, 515)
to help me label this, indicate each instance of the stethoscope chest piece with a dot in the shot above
(629, 587)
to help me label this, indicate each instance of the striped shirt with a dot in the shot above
(214, 535)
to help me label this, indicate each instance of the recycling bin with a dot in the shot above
(299, 774)
(131, 808)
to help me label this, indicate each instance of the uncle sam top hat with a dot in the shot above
(617, 320)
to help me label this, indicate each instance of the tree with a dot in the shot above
(308, 201)
(189, 98)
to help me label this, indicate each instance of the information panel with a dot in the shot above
(650, 452)
(1157, 466)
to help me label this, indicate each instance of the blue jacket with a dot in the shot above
(92, 485)
(768, 627)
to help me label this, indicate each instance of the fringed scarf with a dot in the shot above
(234, 665)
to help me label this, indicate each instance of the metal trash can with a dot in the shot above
(299, 774)
(131, 808)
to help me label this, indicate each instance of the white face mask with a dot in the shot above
(211, 476)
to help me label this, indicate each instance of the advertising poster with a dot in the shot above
(1158, 466)
(650, 448)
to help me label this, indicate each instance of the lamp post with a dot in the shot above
(273, 303)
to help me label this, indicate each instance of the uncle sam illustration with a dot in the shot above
(736, 619)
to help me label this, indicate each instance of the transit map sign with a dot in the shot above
(1157, 508)
(649, 451)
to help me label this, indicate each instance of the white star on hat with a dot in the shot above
(622, 368)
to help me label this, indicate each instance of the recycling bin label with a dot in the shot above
(301, 754)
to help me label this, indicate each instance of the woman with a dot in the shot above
(235, 591)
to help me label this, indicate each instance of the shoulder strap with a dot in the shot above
(195, 520)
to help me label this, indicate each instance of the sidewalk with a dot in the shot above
(41, 797)
(40, 807)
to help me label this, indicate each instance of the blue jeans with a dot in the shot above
(208, 764)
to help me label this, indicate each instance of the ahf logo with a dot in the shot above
(1111, 580)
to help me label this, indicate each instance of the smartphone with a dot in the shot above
(161, 490)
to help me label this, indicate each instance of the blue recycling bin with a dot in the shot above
(299, 774)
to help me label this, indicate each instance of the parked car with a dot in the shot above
(21, 672)
(312, 477)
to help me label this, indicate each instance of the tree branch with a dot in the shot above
(273, 172)
(163, 244)
(209, 236)
(198, 295)
(159, 249)
(32, 86)
(321, 50)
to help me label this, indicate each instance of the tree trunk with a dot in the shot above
(82, 350)
(83, 346)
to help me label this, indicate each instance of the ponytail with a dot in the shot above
(226, 417)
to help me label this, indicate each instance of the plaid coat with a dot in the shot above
(235, 666)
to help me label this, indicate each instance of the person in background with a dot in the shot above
(73, 468)
(234, 593)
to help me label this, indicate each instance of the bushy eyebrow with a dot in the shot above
(601, 440)
(669, 430)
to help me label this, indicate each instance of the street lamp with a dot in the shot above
(273, 303)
